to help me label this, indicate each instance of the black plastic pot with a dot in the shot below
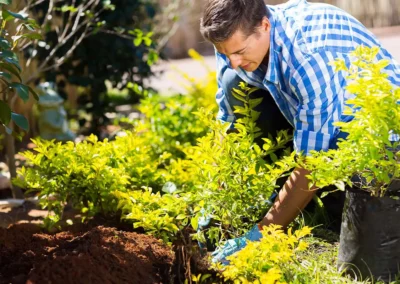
(370, 235)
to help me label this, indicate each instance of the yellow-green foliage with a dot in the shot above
(86, 174)
(295, 258)
(169, 124)
(265, 261)
(229, 173)
(159, 215)
(202, 90)
(367, 150)
(133, 152)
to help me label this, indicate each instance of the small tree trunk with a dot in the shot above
(16, 191)
(10, 150)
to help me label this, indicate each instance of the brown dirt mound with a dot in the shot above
(100, 255)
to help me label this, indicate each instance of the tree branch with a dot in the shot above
(42, 66)
(72, 49)
(60, 61)
(78, 16)
(48, 13)
(66, 27)
(117, 34)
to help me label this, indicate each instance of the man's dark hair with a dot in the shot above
(221, 18)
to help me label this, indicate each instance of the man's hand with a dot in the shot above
(234, 245)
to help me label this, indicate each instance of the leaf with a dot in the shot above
(147, 41)
(20, 120)
(109, 7)
(255, 102)
(6, 76)
(274, 158)
(5, 113)
(29, 36)
(34, 94)
(10, 57)
(152, 57)
(8, 15)
(4, 44)
(11, 69)
(204, 277)
(32, 23)
(252, 90)
(195, 222)
(29, 27)
(340, 185)
(325, 193)
(180, 217)
(239, 95)
(5, 2)
(22, 91)
(137, 41)
(67, 8)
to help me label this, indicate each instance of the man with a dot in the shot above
(285, 51)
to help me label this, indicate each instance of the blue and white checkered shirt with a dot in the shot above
(305, 37)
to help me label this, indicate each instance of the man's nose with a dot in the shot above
(235, 60)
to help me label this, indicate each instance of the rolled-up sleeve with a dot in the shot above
(225, 112)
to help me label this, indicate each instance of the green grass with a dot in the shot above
(318, 264)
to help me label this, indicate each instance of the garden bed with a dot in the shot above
(86, 255)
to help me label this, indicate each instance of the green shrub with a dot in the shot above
(296, 258)
(367, 151)
(87, 174)
(169, 124)
(229, 173)
(266, 260)
(162, 216)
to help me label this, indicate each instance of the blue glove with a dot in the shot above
(234, 245)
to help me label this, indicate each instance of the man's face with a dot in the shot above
(247, 53)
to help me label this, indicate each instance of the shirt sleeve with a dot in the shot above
(225, 112)
(321, 94)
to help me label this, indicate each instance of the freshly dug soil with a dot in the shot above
(97, 255)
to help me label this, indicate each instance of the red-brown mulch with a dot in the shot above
(97, 255)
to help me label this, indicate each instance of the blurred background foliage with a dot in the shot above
(96, 51)
(117, 47)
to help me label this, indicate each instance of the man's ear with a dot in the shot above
(265, 24)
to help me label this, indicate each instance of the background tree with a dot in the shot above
(120, 50)
(12, 86)
(87, 42)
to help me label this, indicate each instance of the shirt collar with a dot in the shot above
(271, 74)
